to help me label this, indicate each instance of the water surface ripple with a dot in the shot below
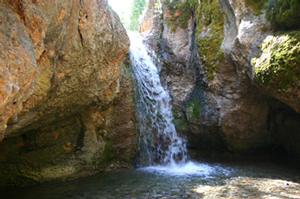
(226, 180)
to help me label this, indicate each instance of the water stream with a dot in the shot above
(159, 142)
(159, 146)
(169, 174)
(226, 180)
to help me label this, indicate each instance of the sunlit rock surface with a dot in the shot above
(219, 102)
(278, 67)
(233, 112)
(147, 19)
(65, 107)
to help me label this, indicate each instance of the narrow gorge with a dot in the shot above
(205, 87)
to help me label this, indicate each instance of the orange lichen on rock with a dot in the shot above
(22, 144)
(107, 93)
(55, 135)
(60, 15)
(104, 76)
(68, 146)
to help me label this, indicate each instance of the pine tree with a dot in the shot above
(136, 11)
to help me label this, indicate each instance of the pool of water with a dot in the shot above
(192, 180)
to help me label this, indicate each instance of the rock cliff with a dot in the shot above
(213, 56)
(65, 106)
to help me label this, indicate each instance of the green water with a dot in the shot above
(226, 180)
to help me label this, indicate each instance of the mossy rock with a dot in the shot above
(185, 9)
(278, 66)
(193, 108)
(179, 122)
(284, 14)
(210, 19)
(256, 5)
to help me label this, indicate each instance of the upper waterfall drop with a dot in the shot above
(160, 148)
(159, 142)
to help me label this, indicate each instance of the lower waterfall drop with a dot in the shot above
(159, 142)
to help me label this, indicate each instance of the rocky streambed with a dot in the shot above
(214, 180)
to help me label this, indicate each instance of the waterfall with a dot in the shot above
(159, 142)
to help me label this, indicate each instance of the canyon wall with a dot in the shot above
(65, 101)
(232, 74)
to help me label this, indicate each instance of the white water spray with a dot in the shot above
(159, 139)
(159, 143)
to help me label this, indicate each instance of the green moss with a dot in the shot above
(185, 9)
(151, 4)
(194, 107)
(108, 152)
(284, 14)
(179, 122)
(278, 67)
(256, 5)
(210, 19)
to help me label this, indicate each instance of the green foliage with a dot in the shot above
(284, 14)
(136, 11)
(210, 19)
(278, 67)
(256, 5)
(124, 19)
(180, 12)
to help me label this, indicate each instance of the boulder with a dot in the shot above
(66, 108)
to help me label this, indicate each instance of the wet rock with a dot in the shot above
(218, 101)
(233, 113)
(175, 191)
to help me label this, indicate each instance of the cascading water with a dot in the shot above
(159, 142)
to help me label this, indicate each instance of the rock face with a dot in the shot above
(65, 107)
(148, 19)
(218, 101)
(177, 61)
(278, 67)
(18, 66)
(234, 113)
